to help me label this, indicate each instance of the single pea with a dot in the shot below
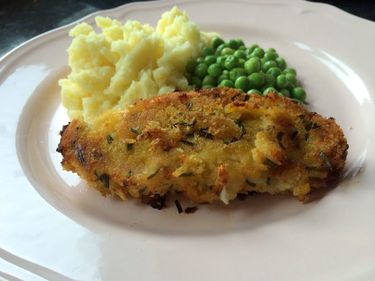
(230, 62)
(201, 70)
(210, 59)
(291, 79)
(196, 81)
(236, 72)
(240, 54)
(270, 55)
(220, 48)
(281, 63)
(268, 64)
(207, 51)
(214, 70)
(240, 43)
(269, 80)
(258, 52)
(256, 80)
(227, 51)
(269, 90)
(222, 77)
(290, 70)
(252, 65)
(220, 60)
(281, 81)
(207, 86)
(190, 66)
(254, 92)
(242, 83)
(233, 43)
(285, 93)
(299, 94)
(271, 50)
(216, 42)
(226, 83)
(241, 61)
(243, 48)
(226, 71)
(274, 71)
(209, 80)
(252, 48)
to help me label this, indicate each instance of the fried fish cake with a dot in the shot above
(209, 145)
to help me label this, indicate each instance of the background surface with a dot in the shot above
(21, 20)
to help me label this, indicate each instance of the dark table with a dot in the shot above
(21, 20)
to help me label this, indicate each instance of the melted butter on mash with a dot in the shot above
(127, 62)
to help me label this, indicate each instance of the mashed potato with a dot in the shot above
(124, 63)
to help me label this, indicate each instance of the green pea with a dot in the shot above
(207, 86)
(291, 79)
(241, 62)
(240, 54)
(196, 81)
(256, 79)
(234, 44)
(281, 81)
(285, 93)
(242, 83)
(190, 66)
(269, 80)
(271, 50)
(299, 94)
(252, 65)
(220, 60)
(254, 92)
(201, 70)
(240, 43)
(220, 48)
(207, 51)
(214, 69)
(274, 71)
(290, 70)
(237, 72)
(226, 83)
(281, 63)
(216, 42)
(227, 51)
(209, 80)
(258, 52)
(243, 48)
(268, 64)
(231, 62)
(270, 55)
(226, 71)
(269, 90)
(252, 48)
(210, 59)
(222, 77)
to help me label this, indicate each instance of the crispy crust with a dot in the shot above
(210, 145)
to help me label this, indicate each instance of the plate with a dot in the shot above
(53, 227)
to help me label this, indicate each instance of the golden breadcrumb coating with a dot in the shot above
(210, 145)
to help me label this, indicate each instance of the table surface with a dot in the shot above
(23, 19)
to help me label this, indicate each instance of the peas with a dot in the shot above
(240, 54)
(274, 71)
(201, 70)
(226, 83)
(210, 59)
(227, 51)
(190, 66)
(252, 69)
(256, 79)
(252, 65)
(299, 94)
(237, 72)
(216, 42)
(230, 62)
(242, 83)
(209, 80)
(214, 70)
(281, 81)
(254, 92)
(268, 64)
(258, 52)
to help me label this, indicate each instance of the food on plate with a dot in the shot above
(126, 62)
(210, 145)
(250, 69)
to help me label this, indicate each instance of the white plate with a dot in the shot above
(53, 227)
